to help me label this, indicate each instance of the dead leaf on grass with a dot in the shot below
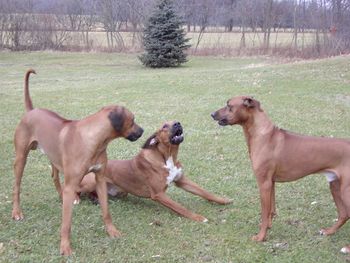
(156, 223)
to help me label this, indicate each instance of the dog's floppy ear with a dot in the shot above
(116, 117)
(151, 141)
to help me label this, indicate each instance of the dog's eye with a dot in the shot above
(230, 108)
(165, 126)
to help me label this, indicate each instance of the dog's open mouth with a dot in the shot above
(177, 136)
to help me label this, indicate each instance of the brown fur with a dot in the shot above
(281, 156)
(145, 174)
(73, 147)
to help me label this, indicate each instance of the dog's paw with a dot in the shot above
(76, 201)
(17, 215)
(258, 238)
(200, 218)
(226, 201)
(345, 250)
(113, 232)
(65, 250)
(327, 232)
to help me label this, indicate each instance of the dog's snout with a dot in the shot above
(140, 132)
(213, 114)
(135, 135)
(177, 124)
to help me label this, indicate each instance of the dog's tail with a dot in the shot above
(27, 100)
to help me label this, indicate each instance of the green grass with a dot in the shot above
(310, 97)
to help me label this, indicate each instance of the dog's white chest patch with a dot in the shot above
(330, 176)
(175, 173)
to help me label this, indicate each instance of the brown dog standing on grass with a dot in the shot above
(150, 173)
(75, 148)
(281, 156)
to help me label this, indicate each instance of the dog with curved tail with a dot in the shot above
(75, 148)
(152, 171)
(281, 156)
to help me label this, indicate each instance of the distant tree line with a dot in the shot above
(48, 24)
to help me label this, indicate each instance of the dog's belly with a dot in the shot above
(330, 176)
(52, 155)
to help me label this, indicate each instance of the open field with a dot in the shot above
(226, 40)
(310, 97)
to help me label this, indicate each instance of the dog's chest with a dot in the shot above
(175, 173)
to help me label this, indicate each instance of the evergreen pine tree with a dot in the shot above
(164, 38)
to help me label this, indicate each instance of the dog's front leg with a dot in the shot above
(56, 180)
(195, 189)
(68, 195)
(273, 204)
(166, 201)
(101, 189)
(265, 188)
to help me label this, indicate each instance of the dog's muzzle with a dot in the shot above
(221, 122)
(135, 135)
(177, 136)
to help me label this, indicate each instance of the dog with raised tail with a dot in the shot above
(75, 148)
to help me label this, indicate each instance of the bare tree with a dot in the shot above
(111, 16)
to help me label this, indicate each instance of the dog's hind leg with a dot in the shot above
(342, 214)
(195, 189)
(345, 197)
(22, 147)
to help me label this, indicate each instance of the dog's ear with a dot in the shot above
(249, 102)
(151, 141)
(116, 117)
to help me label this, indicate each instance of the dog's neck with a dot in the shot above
(168, 151)
(99, 130)
(257, 126)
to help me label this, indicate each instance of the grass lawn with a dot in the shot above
(311, 97)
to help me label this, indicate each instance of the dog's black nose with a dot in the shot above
(213, 115)
(135, 135)
(177, 124)
(140, 132)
